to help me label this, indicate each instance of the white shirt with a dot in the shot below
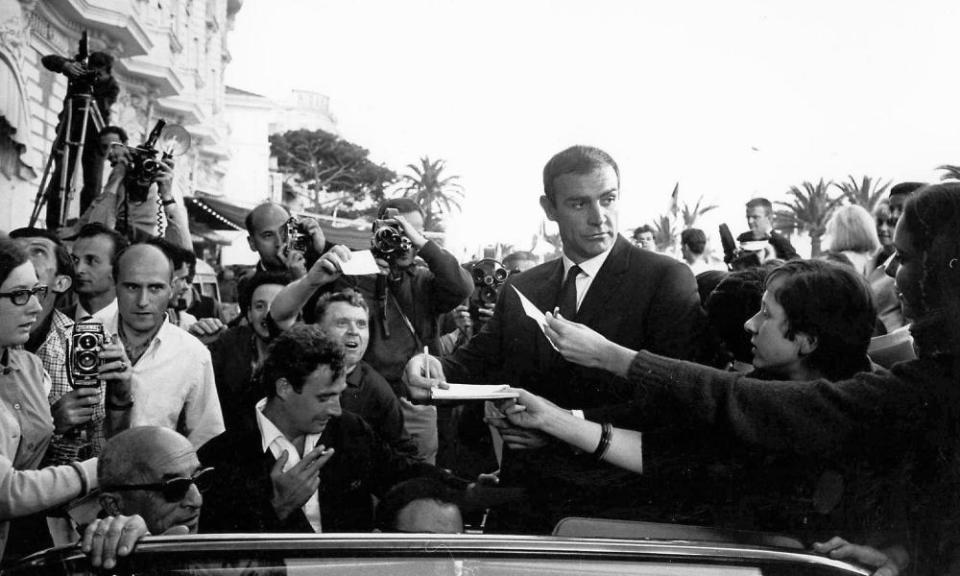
(107, 316)
(273, 439)
(173, 386)
(588, 271)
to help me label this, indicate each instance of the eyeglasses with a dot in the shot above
(21, 297)
(173, 489)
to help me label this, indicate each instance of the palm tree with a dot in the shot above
(867, 193)
(808, 211)
(665, 233)
(953, 172)
(437, 194)
(690, 215)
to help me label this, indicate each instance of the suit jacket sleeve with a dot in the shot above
(675, 318)
(450, 284)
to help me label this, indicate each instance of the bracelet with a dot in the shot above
(115, 406)
(168, 202)
(84, 486)
(606, 435)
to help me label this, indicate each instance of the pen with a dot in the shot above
(426, 364)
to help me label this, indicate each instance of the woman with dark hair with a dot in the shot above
(903, 424)
(26, 425)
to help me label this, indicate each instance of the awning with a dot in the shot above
(219, 214)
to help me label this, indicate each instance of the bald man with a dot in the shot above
(172, 384)
(150, 482)
(267, 236)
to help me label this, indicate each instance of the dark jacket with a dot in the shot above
(368, 395)
(233, 355)
(362, 466)
(420, 295)
(639, 299)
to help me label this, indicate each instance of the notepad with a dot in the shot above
(473, 392)
(360, 263)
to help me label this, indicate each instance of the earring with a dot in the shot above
(953, 263)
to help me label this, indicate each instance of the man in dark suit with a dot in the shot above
(633, 297)
(307, 466)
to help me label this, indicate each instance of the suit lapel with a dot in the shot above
(604, 294)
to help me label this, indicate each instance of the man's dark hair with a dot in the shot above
(349, 295)
(120, 132)
(61, 254)
(575, 160)
(842, 323)
(695, 240)
(401, 495)
(116, 260)
(120, 242)
(401, 205)
(735, 299)
(297, 353)
(642, 229)
(11, 256)
(905, 188)
(247, 286)
(761, 203)
(248, 219)
(100, 60)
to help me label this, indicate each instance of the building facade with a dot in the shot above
(170, 57)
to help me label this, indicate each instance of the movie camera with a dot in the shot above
(735, 256)
(389, 242)
(488, 277)
(296, 237)
(145, 161)
(87, 340)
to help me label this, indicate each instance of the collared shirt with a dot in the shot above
(273, 439)
(588, 271)
(27, 426)
(54, 353)
(173, 386)
(108, 316)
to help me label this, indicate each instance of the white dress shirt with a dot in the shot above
(588, 271)
(274, 440)
(173, 386)
(107, 316)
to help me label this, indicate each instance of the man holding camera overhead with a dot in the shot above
(406, 302)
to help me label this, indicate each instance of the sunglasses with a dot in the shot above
(173, 489)
(21, 297)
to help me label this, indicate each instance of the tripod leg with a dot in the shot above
(41, 198)
(76, 161)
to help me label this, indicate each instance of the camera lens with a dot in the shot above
(500, 274)
(87, 341)
(87, 360)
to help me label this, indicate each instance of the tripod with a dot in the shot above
(65, 155)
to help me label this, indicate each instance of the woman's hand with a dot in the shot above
(530, 411)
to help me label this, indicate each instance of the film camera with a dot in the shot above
(735, 256)
(488, 277)
(163, 143)
(87, 340)
(389, 242)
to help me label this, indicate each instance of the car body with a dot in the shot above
(454, 555)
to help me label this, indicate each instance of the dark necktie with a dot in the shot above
(568, 294)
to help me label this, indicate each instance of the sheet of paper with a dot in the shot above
(361, 262)
(473, 392)
(534, 313)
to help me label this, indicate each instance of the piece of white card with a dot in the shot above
(360, 263)
(534, 313)
(473, 392)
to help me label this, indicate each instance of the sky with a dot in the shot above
(732, 99)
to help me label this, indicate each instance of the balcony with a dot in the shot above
(119, 19)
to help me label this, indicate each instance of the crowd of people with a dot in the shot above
(761, 394)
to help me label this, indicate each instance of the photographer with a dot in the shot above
(268, 236)
(406, 302)
(93, 78)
